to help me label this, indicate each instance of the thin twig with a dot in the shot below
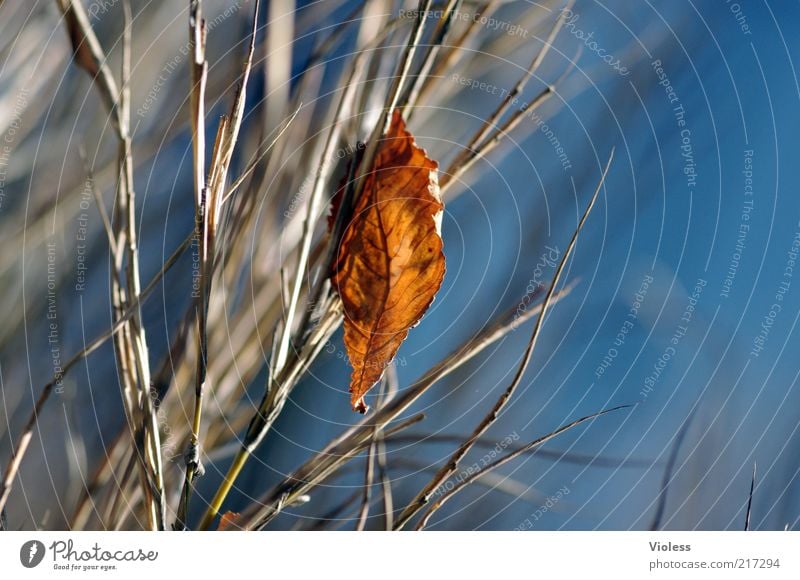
(493, 482)
(131, 344)
(254, 162)
(393, 99)
(98, 199)
(199, 75)
(464, 162)
(310, 222)
(333, 514)
(488, 443)
(447, 495)
(288, 363)
(89, 55)
(471, 155)
(439, 37)
(369, 477)
(343, 448)
(451, 466)
(452, 51)
(668, 472)
(209, 201)
(750, 500)
(272, 405)
(392, 384)
(149, 436)
(388, 389)
(511, 96)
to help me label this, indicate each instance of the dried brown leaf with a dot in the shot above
(390, 262)
(228, 522)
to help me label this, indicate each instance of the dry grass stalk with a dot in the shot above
(210, 195)
(133, 482)
(354, 440)
(452, 465)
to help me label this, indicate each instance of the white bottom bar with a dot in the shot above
(349, 555)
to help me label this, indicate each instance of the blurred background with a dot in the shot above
(686, 276)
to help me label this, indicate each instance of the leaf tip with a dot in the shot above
(360, 406)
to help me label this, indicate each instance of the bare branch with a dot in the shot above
(452, 464)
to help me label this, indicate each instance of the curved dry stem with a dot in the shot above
(451, 466)
(339, 451)
(448, 495)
